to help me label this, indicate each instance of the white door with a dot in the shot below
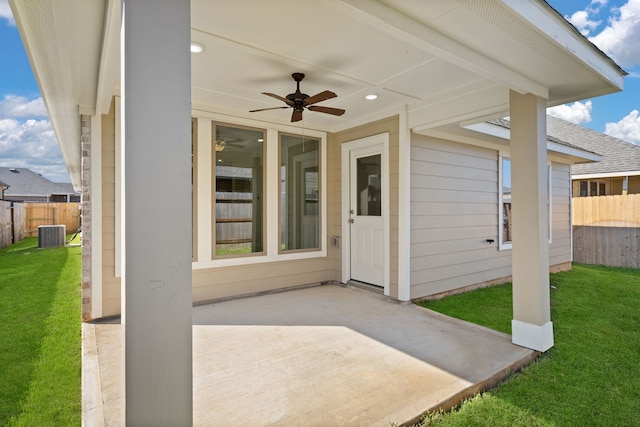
(366, 218)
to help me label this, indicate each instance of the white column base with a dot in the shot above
(535, 337)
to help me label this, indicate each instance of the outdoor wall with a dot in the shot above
(560, 247)
(110, 283)
(454, 210)
(390, 125)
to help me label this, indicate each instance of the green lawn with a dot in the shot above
(592, 375)
(40, 335)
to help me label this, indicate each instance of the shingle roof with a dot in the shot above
(23, 181)
(618, 155)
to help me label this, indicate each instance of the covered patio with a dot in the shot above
(315, 356)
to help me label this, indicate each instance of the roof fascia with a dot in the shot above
(557, 29)
(109, 70)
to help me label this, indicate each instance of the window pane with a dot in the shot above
(369, 185)
(603, 189)
(299, 189)
(239, 190)
(584, 189)
(507, 225)
(593, 187)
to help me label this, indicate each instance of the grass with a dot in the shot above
(591, 377)
(40, 335)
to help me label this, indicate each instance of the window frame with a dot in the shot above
(214, 165)
(502, 245)
(589, 182)
(320, 202)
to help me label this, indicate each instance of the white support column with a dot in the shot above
(156, 101)
(404, 208)
(531, 325)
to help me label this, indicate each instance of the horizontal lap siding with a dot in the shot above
(111, 302)
(454, 210)
(221, 282)
(560, 248)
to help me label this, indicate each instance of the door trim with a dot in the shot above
(382, 142)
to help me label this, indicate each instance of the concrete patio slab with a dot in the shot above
(319, 356)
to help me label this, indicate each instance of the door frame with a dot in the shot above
(380, 141)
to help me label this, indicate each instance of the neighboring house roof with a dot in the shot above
(618, 155)
(25, 182)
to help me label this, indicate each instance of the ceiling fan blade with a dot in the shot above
(322, 96)
(265, 109)
(296, 116)
(328, 110)
(273, 95)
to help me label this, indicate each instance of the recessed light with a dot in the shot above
(371, 97)
(197, 47)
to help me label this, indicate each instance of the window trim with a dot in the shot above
(265, 195)
(598, 182)
(501, 244)
(321, 201)
(509, 245)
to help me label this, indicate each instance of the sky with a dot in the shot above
(27, 138)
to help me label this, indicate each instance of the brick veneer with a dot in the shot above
(85, 139)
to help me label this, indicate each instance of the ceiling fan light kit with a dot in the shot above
(299, 101)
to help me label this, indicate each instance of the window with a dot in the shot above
(505, 214)
(506, 226)
(299, 193)
(239, 191)
(593, 188)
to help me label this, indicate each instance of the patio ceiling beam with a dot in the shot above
(420, 36)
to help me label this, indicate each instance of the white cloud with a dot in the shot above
(621, 38)
(5, 12)
(577, 112)
(627, 129)
(581, 21)
(32, 144)
(20, 106)
(27, 138)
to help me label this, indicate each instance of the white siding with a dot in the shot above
(560, 248)
(454, 210)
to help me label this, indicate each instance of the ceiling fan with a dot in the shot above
(299, 101)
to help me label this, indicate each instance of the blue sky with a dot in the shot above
(27, 140)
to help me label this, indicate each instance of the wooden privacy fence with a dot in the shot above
(606, 230)
(610, 211)
(11, 223)
(37, 214)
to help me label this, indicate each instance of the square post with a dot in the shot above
(531, 324)
(157, 322)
